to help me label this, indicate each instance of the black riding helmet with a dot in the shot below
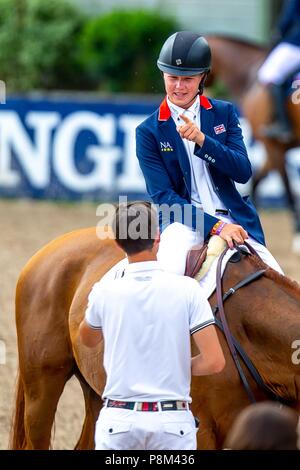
(185, 54)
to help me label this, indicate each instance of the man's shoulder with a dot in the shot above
(183, 289)
(178, 281)
(102, 285)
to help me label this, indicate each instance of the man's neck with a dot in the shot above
(142, 257)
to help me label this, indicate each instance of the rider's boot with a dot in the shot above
(280, 129)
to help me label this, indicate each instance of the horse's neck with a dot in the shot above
(235, 63)
(265, 317)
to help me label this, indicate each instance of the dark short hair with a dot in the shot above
(264, 426)
(135, 226)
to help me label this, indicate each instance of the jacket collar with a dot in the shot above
(165, 112)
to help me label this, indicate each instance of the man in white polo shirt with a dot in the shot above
(146, 318)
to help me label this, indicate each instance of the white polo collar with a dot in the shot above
(143, 266)
(192, 112)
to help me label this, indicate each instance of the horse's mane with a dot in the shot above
(283, 281)
(238, 40)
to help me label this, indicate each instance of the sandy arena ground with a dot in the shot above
(25, 227)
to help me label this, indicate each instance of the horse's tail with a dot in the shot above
(17, 440)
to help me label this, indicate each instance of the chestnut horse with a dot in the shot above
(51, 298)
(236, 62)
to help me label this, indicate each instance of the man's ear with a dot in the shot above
(157, 238)
(119, 246)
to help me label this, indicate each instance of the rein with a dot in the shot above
(234, 347)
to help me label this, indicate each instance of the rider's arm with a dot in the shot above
(230, 233)
(231, 157)
(159, 185)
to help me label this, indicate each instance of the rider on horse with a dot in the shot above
(191, 150)
(279, 67)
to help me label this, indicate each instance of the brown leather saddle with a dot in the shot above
(195, 258)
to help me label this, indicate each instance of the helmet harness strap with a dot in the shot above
(202, 82)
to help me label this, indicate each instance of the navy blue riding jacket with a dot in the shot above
(289, 22)
(168, 173)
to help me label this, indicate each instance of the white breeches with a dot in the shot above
(281, 62)
(177, 239)
(120, 429)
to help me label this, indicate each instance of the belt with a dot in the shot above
(176, 405)
(222, 211)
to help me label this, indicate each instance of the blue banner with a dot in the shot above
(55, 148)
(60, 149)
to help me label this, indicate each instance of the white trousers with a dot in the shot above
(281, 62)
(177, 239)
(120, 429)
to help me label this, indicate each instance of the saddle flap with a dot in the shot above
(200, 258)
(194, 260)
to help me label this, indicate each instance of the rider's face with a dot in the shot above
(182, 91)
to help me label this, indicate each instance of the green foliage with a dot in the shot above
(37, 40)
(219, 90)
(120, 50)
(49, 44)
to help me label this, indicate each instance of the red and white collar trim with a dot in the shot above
(165, 112)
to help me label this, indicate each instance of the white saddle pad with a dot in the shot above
(208, 281)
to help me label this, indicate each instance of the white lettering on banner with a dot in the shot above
(32, 156)
(26, 150)
(104, 157)
(131, 177)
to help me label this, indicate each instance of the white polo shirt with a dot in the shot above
(147, 317)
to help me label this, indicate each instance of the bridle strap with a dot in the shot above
(233, 344)
(252, 277)
(250, 366)
(225, 326)
(250, 248)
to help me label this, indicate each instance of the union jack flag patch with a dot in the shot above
(219, 129)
